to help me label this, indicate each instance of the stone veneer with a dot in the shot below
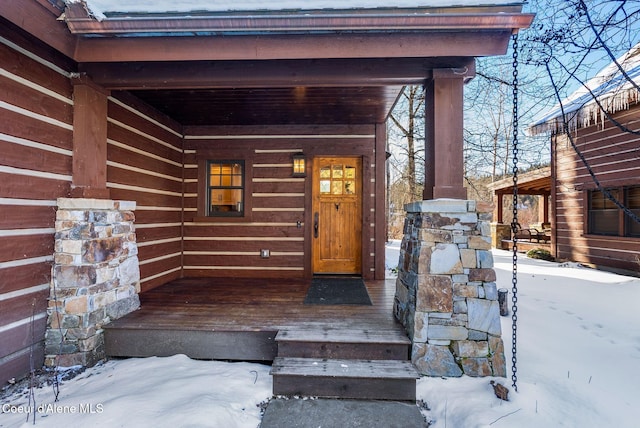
(95, 277)
(446, 295)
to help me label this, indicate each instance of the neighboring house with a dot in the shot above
(588, 227)
(244, 137)
(537, 183)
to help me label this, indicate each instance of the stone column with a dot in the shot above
(95, 277)
(446, 294)
(499, 232)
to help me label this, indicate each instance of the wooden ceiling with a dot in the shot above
(272, 92)
(274, 106)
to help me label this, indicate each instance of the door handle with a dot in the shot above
(315, 225)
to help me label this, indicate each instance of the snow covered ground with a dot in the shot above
(578, 354)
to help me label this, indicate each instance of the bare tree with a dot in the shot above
(489, 119)
(407, 143)
(569, 41)
(572, 40)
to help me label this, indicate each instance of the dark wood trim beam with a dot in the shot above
(294, 46)
(89, 140)
(40, 21)
(523, 192)
(276, 74)
(499, 208)
(380, 207)
(444, 138)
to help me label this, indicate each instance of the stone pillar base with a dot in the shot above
(499, 232)
(446, 294)
(95, 278)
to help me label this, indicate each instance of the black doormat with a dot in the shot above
(336, 290)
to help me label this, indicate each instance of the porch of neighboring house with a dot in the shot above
(267, 320)
(529, 236)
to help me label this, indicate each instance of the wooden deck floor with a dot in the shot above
(187, 312)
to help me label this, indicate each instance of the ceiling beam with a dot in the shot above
(271, 74)
(294, 46)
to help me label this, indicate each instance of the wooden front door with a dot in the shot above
(337, 215)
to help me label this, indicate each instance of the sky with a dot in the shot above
(578, 348)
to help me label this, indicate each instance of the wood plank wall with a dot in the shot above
(147, 163)
(144, 164)
(275, 202)
(615, 159)
(36, 134)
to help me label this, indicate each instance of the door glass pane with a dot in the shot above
(325, 172)
(350, 172)
(336, 187)
(349, 187)
(337, 171)
(325, 186)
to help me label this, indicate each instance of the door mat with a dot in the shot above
(337, 291)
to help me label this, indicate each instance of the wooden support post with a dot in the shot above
(89, 140)
(498, 213)
(545, 208)
(444, 163)
(380, 207)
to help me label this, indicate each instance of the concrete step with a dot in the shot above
(340, 378)
(354, 343)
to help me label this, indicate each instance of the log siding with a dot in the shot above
(144, 164)
(614, 158)
(151, 162)
(275, 201)
(36, 142)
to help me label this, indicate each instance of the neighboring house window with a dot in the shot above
(225, 188)
(632, 227)
(605, 217)
(603, 213)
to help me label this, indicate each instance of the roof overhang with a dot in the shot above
(353, 33)
(535, 182)
(332, 56)
(80, 21)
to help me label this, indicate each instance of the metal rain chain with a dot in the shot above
(514, 222)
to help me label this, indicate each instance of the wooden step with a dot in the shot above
(354, 343)
(208, 345)
(358, 379)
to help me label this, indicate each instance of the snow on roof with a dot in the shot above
(101, 8)
(613, 91)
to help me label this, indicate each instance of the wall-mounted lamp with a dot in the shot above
(299, 165)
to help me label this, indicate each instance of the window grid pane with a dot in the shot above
(632, 227)
(603, 213)
(226, 188)
(338, 179)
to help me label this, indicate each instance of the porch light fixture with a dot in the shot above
(299, 165)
